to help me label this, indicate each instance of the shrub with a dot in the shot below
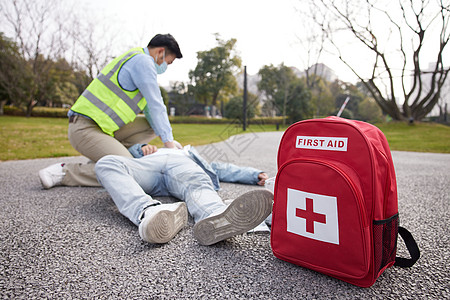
(51, 112)
(205, 120)
(39, 111)
(197, 120)
(13, 111)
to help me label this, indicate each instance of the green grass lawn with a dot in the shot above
(419, 137)
(25, 138)
(28, 138)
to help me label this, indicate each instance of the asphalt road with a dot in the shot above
(72, 243)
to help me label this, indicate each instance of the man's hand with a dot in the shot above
(149, 149)
(170, 144)
(173, 144)
(262, 178)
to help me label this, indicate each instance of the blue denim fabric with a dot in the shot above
(217, 171)
(183, 174)
(199, 160)
(227, 172)
(136, 150)
(131, 181)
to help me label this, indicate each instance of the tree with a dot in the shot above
(213, 78)
(322, 100)
(92, 42)
(164, 96)
(269, 84)
(31, 23)
(15, 74)
(17, 79)
(181, 98)
(369, 111)
(274, 85)
(45, 32)
(61, 87)
(298, 105)
(286, 93)
(234, 107)
(341, 90)
(395, 70)
(312, 43)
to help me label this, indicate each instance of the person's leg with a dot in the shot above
(129, 182)
(215, 221)
(79, 174)
(136, 132)
(88, 139)
(247, 175)
(122, 178)
(185, 180)
(231, 173)
(243, 214)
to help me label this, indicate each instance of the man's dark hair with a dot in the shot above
(167, 41)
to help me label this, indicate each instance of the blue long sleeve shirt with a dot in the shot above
(139, 72)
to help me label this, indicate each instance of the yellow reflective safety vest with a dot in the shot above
(104, 100)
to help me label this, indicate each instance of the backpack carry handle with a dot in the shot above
(412, 247)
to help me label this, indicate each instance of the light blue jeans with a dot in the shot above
(131, 181)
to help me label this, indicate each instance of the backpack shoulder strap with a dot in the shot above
(412, 247)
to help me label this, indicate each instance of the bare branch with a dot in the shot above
(408, 21)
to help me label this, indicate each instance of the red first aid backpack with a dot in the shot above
(335, 201)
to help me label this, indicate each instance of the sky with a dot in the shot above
(266, 31)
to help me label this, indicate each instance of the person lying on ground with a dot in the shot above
(183, 174)
(54, 174)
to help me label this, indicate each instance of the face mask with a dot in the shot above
(162, 67)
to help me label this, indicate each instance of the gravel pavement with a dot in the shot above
(72, 243)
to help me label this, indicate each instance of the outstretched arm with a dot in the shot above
(231, 173)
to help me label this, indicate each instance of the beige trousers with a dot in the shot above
(88, 139)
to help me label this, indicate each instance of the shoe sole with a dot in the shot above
(243, 214)
(164, 225)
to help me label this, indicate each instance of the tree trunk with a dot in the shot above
(427, 23)
(30, 107)
(2, 105)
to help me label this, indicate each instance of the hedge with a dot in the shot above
(206, 120)
(39, 111)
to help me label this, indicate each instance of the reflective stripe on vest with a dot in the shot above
(106, 80)
(104, 100)
(132, 103)
(103, 107)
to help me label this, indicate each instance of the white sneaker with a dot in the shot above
(244, 213)
(52, 175)
(162, 222)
